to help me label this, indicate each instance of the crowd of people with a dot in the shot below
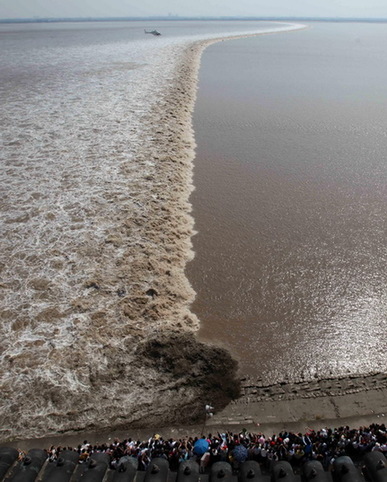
(324, 445)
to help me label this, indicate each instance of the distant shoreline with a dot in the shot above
(183, 19)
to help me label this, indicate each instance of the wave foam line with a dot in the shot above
(118, 348)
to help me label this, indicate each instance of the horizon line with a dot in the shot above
(187, 18)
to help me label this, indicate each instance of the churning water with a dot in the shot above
(96, 161)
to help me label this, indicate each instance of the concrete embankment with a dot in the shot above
(353, 400)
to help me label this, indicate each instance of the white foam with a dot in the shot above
(88, 223)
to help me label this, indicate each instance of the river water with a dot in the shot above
(290, 201)
(95, 217)
(96, 224)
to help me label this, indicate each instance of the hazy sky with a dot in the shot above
(128, 8)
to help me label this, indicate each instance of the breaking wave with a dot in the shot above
(96, 233)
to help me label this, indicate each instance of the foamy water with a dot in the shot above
(96, 162)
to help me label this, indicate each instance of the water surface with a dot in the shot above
(290, 200)
(94, 216)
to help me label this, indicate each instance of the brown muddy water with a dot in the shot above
(95, 175)
(290, 201)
